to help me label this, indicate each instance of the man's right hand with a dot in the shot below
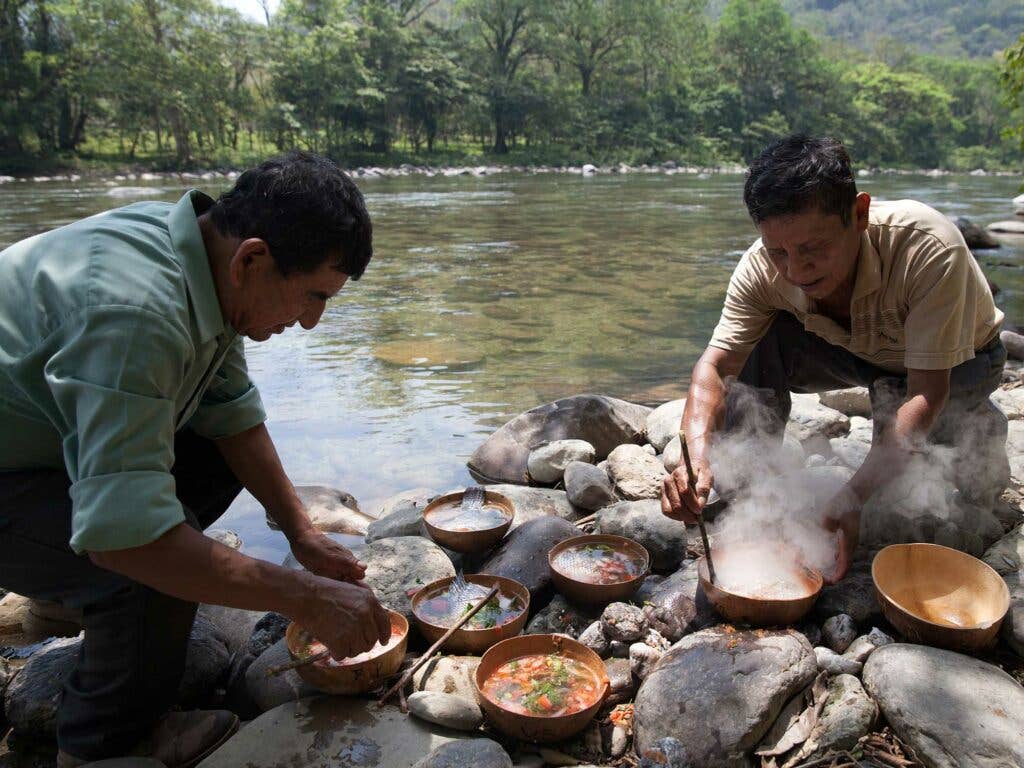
(681, 502)
(345, 617)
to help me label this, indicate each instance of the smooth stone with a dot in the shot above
(479, 753)
(400, 515)
(974, 235)
(265, 692)
(562, 616)
(330, 510)
(678, 606)
(756, 672)
(673, 454)
(663, 423)
(636, 473)
(849, 714)
(954, 711)
(1014, 343)
(445, 709)
(642, 659)
(1007, 227)
(397, 567)
(269, 628)
(604, 422)
(854, 596)
(643, 521)
(619, 742)
(547, 463)
(448, 674)
(854, 401)
(523, 555)
(594, 638)
(624, 622)
(534, 503)
(850, 451)
(206, 662)
(45, 618)
(1007, 554)
(331, 730)
(1013, 624)
(838, 632)
(32, 697)
(13, 611)
(621, 683)
(588, 487)
(225, 537)
(831, 662)
(865, 645)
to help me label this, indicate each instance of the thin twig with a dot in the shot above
(692, 480)
(586, 520)
(296, 663)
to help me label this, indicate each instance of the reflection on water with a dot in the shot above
(491, 295)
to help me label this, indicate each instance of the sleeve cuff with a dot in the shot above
(217, 420)
(123, 510)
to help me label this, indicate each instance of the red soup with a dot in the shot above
(543, 684)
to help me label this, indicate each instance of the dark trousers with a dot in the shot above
(791, 359)
(133, 655)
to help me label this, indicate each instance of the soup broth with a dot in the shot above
(456, 517)
(547, 685)
(442, 608)
(597, 564)
(316, 647)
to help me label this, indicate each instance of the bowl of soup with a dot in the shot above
(761, 585)
(356, 674)
(468, 528)
(940, 596)
(598, 568)
(541, 688)
(439, 605)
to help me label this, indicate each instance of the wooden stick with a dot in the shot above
(407, 675)
(692, 480)
(584, 520)
(296, 663)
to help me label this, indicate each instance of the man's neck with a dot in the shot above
(837, 305)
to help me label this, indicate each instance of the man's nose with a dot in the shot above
(311, 317)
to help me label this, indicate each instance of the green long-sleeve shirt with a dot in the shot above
(111, 340)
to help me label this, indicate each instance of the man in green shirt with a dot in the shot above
(130, 424)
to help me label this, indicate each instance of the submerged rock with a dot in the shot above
(975, 237)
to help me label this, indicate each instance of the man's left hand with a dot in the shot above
(842, 517)
(325, 557)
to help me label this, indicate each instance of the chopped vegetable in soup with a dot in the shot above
(543, 684)
(455, 517)
(316, 647)
(598, 564)
(444, 607)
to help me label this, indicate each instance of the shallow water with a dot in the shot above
(489, 296)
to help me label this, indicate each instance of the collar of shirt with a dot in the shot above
(188, 244)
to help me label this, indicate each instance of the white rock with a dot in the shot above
(664, 421)
(673, 455)
(831, 662)
(636, 473)
(1010, 402)
(853, 401)
(547, 463)
(445, 709)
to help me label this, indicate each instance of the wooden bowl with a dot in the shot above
(469, 542)
(940, 596)
(473, 641)
(350, 678)
(759, 612)
(538, 728)
(585, 592)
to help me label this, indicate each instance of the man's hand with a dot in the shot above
(325, 557)
(842, 518)
(347, 618)
(681, 502)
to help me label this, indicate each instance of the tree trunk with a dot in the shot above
(500, 131)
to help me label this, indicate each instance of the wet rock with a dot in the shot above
(523, 555)
(663, 423)
(401, 515)
(206, 663)
(1007, 554)
(265, 692)
(975, 237)
(678, 605)
(865, 645)
(953, 710)
(757, 672)
(851, 402)
(547, 463)
(225, 537)
(534, 503)
(563, 617)
(624, 622)
(636, 474)
(1013, 625)
(831, 662)
(621, 684)
(588, 487)
(479, 753)
(642, 659)
(448, 674)
(446, 709)
(854, 596)
(397, 567)
(812, 423)
(838, 632)
(604, 422)
(666, 752)
(594, 638)
(330, 510)
(849, 713)
(663, 538)
(31, 698)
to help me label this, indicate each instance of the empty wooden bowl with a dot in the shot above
(468, 640)
(744, 608)
(349, 678)
(581, 591)
(469, 541)
(539, 728)
(940, 596)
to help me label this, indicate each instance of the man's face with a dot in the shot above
(815, 251)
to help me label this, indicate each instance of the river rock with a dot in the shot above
(953, 710)
(838, 632)
(1013, 624)
(812, 423)
(448, 674)
(1018, 205)
(397, 567)
(1007, 227)
(678, 606)
(269, 628)
(523, 555)
(849, 714)
(756, 672)
(225, 537)
(865, 645)
(401, 515)
(265, 692)
(547, 463)
(446, 709)
(563, 617)
(665, 753)
(854, 401)
(642, 659)
(636, 474)
(1010, 402)
(665, 539)
(534, 503)
(206, 663)
(624, 622)
(594, 638)
(672, 457)
(1014, 343)
(1007, 554)
(31, 698)
(479, 753)
(330, 510)
(604, 422)
(854, 596)
(975, 237)
(663, 423)
(621, 684)
(588, 487)
(831, 662)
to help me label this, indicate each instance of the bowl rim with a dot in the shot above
(705, 579)
(565, 544)
(1003, 589)
(606, 687)
(504, 504)
(300, 630)
(420, 595)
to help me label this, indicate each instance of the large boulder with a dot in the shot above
(665, 539)
(206, 663)
(397, 567)
(588, 487)
(523, 555)
(604, 422)
(266, 692)
(663, 423)
(954, 711)
(32, 697)
(546, 464)
(400, 515)
(330, 510)
(636, 473)
(718, 692)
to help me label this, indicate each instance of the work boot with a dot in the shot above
(179, 740)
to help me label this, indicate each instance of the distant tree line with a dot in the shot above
(188, 81)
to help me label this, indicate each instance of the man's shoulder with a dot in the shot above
(910, 222)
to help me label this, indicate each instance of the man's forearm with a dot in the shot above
(705, 408)
(251, 455)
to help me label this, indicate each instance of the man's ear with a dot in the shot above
(250, 257)
(860, 208)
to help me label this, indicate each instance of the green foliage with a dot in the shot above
(1012, 80)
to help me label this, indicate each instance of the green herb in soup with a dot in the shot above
(595, 563)
(543, 684)
(441, 608)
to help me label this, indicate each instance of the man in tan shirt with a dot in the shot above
(841, 291)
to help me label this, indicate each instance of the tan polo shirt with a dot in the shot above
(920, 299)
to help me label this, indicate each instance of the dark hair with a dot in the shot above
(305, 208)
(795, 173)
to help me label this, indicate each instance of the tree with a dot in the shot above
(1012, 81)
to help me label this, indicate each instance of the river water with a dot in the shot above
(488, 296)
